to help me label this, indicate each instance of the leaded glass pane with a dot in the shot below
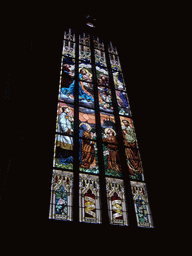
(87, 127)
(112, 50)
(115, 63)
(84, 39)
(111, 157)
(123, 103)
(116, 201)
(128, 130)
(98, 44)
(85, 53)
(100, 59)
(102, 76)
(68, 49)
(88, 159)
(61, 195)
(63, 152)
(141, 203)
(107, 124)
(134, 164)
(85, 71)
(89, 198)
(65, 118)
(69, 35)
(105, 99)
(118, 81)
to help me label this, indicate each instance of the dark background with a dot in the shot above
(31, 54)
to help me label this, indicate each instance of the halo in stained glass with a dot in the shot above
(87, 123)
(107, 121)
(128, 132)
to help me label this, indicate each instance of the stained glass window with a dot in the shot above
(141, 203)
(61, 195)
(116, 201)
(89, 198)
(95, 138)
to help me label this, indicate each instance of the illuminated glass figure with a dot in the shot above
(95, 139)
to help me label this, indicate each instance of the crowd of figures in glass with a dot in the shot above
(87, 153)
(142, 209)
(85, 85)
(88, 161)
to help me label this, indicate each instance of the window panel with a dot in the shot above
(112, 50)
(100, 59)
(128, 130)
(118, 81)
(107, 125)
(68, 49)
(116, 201)
(115, 63)
(102, 76)
(134, 164)
(67, 87)
(85, 53)
(105, 99)
(86, 93)
(63, 152)
(89, 199)
(123, 103)
(85, 71)
(65, 118)
(88, 159)
(141, 203)
(98, 44)
(84, 39)
(67, 91)
(111, 157)
(71, 64)
(69, 35)
(67, 82)
(87, 124)
(61, 195)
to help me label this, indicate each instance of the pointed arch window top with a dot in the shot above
(69, 36)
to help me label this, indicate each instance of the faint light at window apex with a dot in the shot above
(90, 24)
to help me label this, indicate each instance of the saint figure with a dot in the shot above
(113, 155)
(64, 126)
(86, 151)
(83, 94)
(132, 152)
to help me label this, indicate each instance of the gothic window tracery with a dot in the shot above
(104, 120)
